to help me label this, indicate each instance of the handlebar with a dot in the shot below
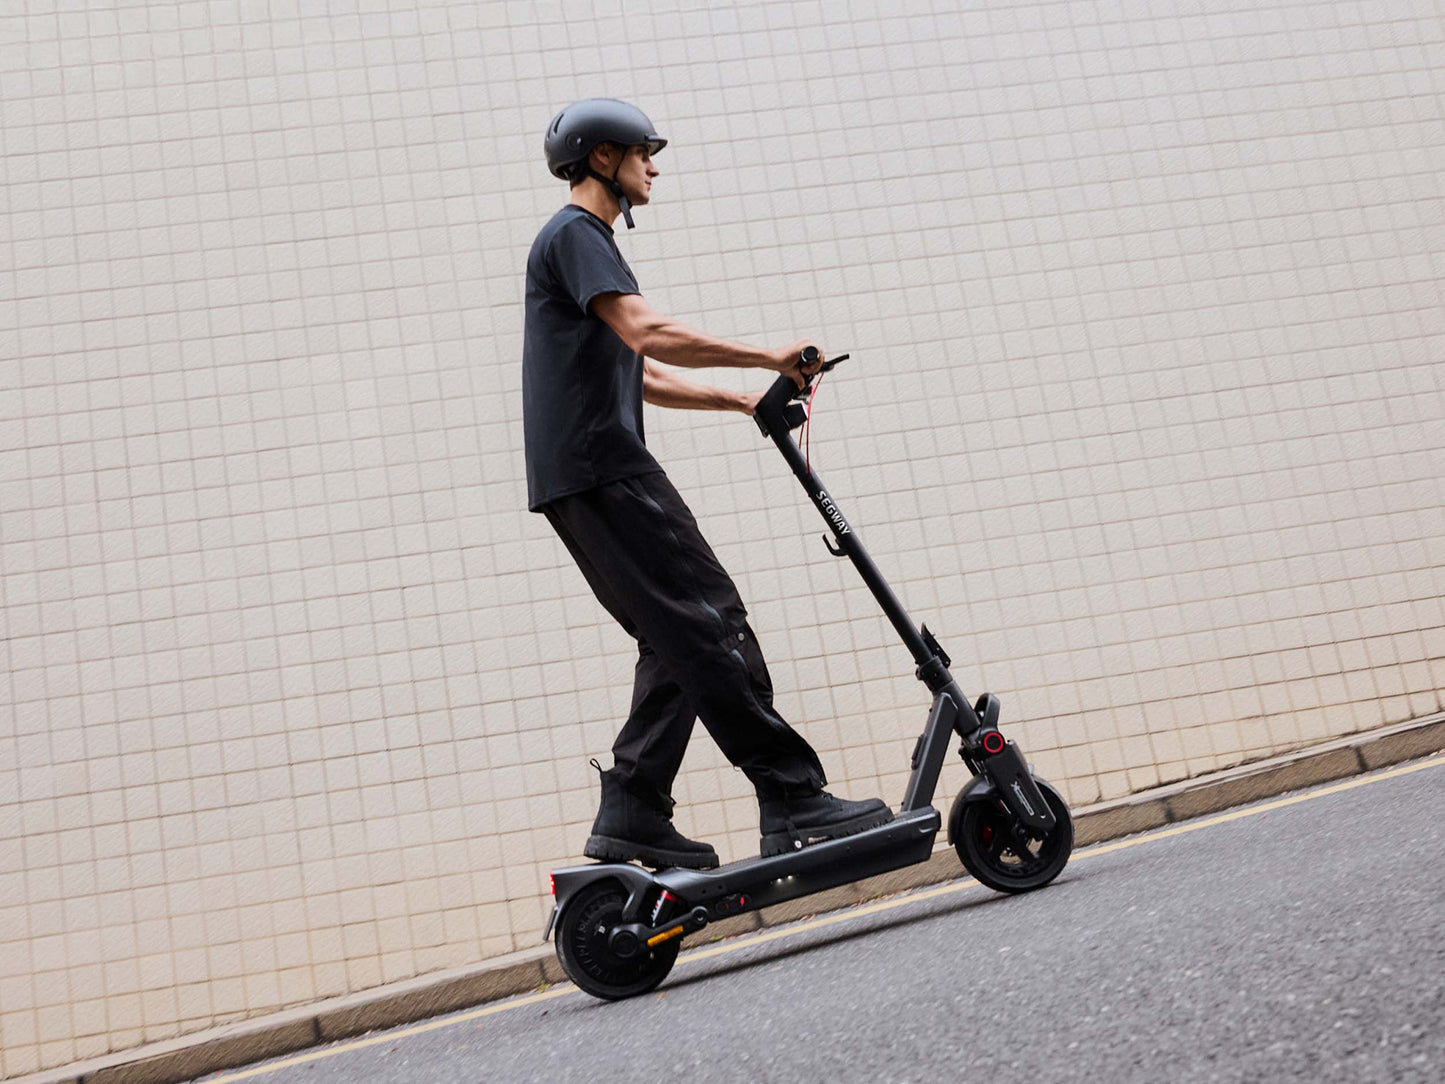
(811, 354)
(782, 409)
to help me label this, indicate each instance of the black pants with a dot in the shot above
(641, 551)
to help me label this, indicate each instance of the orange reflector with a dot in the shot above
(665, 935)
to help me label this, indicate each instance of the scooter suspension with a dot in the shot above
(1002, 764)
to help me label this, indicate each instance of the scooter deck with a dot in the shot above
(762, 882)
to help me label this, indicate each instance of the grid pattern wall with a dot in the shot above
(1146, 418)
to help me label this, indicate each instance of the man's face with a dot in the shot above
(636, 176)
(636, 173)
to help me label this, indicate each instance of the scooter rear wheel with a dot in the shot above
(993, 853)
(585, 950)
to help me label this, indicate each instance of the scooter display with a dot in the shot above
(618, 927)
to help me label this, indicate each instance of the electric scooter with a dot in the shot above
(619, 927)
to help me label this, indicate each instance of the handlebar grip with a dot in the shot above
(810, 355)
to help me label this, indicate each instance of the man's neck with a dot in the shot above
(591, 196)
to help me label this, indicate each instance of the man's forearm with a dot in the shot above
(664, 339)
(668, 341)
(665, 388)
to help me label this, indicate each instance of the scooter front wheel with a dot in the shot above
(1000, 858)
(594, 960)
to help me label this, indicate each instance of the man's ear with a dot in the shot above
(603, 158)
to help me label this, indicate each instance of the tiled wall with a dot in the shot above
(1144, 417)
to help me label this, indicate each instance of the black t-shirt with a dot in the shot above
(581, 384)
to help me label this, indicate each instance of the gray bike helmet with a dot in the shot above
(582, 125)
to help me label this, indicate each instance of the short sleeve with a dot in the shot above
(587, 264)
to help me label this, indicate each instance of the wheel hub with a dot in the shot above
(623, 943)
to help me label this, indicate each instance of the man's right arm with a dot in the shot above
(664, 339)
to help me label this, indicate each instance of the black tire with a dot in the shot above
(582, 931)
(992, 853)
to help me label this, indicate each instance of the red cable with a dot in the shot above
(808, 428)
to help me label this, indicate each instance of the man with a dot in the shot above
(591, 354)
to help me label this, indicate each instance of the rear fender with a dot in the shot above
(567, 882)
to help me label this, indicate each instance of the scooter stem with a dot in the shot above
(776, 415)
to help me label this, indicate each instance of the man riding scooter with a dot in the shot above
(593, 351)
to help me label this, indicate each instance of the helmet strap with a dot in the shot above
(616, 189)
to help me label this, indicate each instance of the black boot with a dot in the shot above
(789, 824)
(629, 828)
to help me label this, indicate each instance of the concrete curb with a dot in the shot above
(262, 1037)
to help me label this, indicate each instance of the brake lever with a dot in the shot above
(827, 367)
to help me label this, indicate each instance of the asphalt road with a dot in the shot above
(1295, 943)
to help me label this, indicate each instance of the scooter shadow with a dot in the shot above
(770, 953)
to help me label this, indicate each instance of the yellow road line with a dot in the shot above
(392, 1036)
(746, 941)
(1266, 807)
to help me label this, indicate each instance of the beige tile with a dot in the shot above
(53, 1024)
